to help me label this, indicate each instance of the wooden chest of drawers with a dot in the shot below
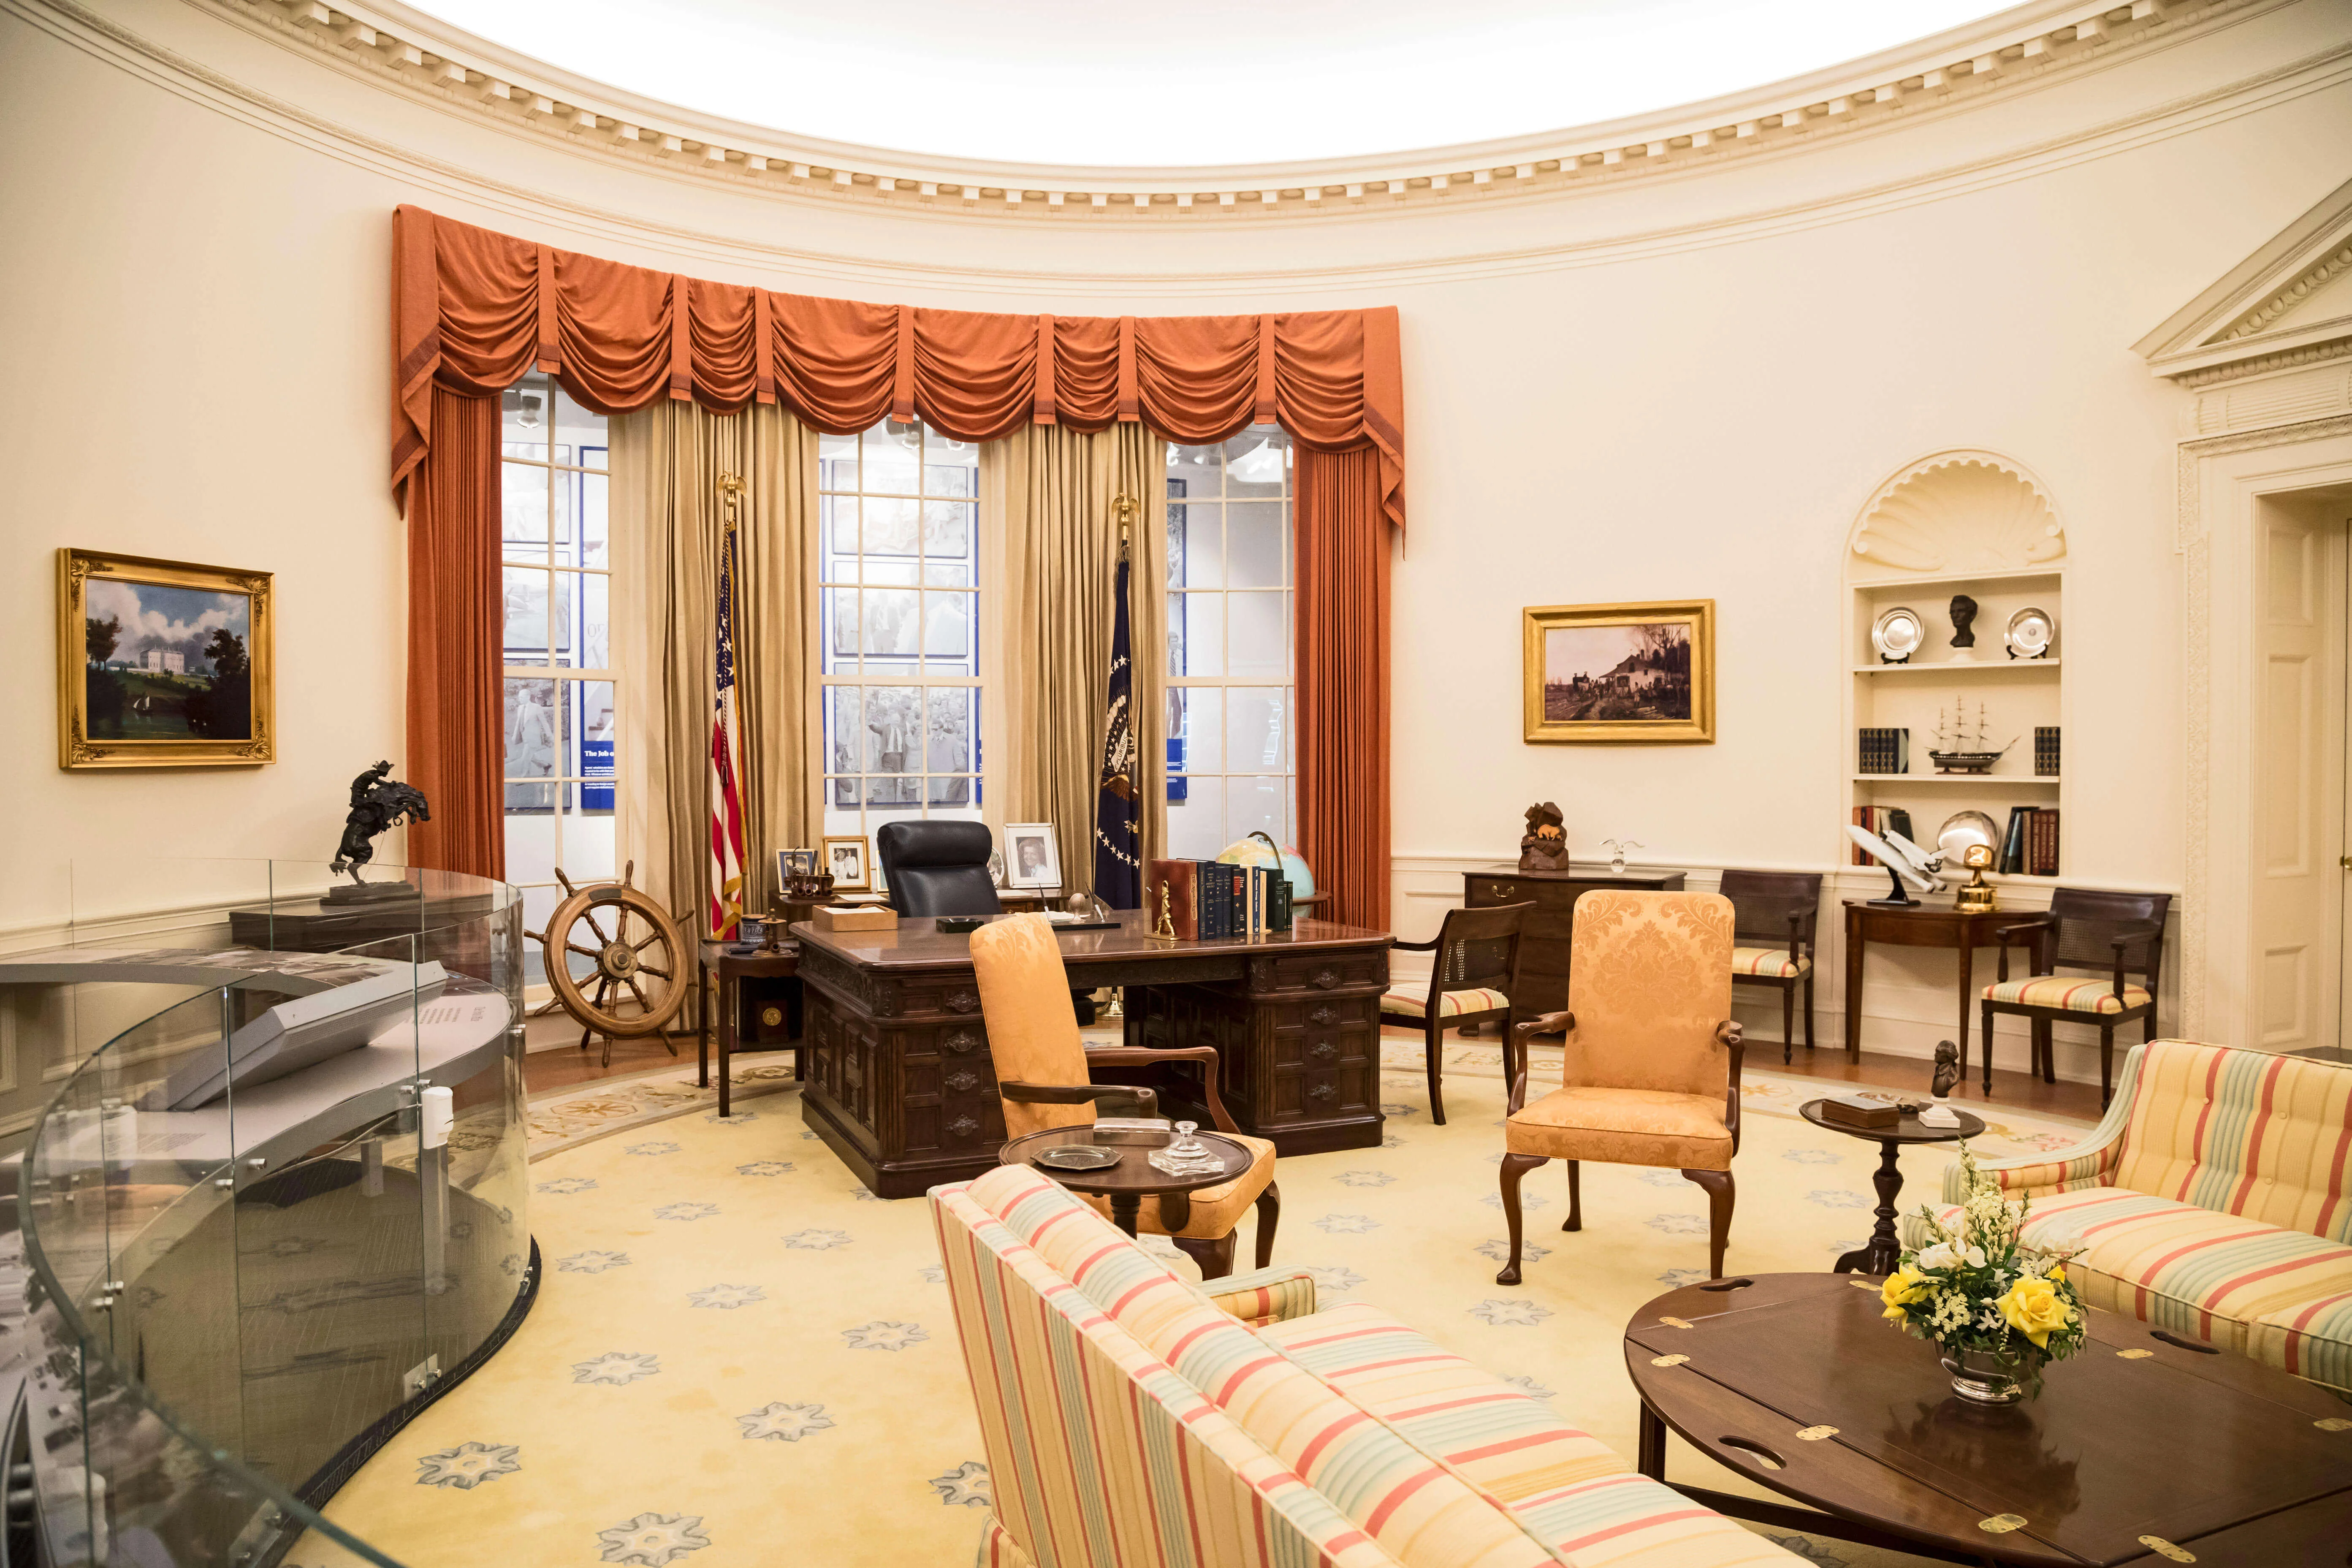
(1543, 941)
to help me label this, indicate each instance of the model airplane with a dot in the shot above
(1905, 861)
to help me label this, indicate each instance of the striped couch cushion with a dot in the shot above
(2071, 992)
(1407, 1000)
(1569, 1489)
(2212, 1276)
(1410, 1507)
(1776, 961)
(2312, 1339)
(2243, 1132)
(1076, 1416)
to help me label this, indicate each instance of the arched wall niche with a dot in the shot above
(1957, 512)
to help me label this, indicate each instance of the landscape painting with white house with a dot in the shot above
(1639, 669)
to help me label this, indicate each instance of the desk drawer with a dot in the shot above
(1310, 972)
(1317, 1094)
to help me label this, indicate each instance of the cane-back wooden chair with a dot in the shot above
(1475, 970)
(2114, 935)
(1773, 917)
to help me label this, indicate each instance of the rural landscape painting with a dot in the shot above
(160, 662)
(1621, 672)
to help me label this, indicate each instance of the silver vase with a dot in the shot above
(1981, 1377)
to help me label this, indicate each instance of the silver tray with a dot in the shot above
(1897, 634)
(1077, 1157)
(2029, 634)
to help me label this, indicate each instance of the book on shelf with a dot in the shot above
(1884, 751)
(2041, 842)
(2013, 842)
(1881, 820)
(2046, 751)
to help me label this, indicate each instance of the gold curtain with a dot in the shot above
(667, 527)
(1057, 488)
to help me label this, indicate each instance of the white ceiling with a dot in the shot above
(1191, 82)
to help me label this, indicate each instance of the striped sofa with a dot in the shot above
(1133, 1419)
(2214, 1200)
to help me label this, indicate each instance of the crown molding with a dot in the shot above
(2022, 50)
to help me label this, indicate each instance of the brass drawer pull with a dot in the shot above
(1321, 1091)
(963, 1082)
(1322, 1050)
(963, 1127)
(1321, 1015)
(1326, 978)
(960, 1042)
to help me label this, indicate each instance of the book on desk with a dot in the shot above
(1212, 900)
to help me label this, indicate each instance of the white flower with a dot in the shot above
(1951, 1254)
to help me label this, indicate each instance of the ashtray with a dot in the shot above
(1077, 1157)
(958, 924)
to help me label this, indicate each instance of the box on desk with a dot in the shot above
(855, 917)
(1855, 1110)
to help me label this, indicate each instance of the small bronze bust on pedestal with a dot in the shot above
(1545, 846)
(1964, 616)
(378, 804)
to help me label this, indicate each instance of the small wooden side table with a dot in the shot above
(1929, 925)
(768, 982)
(1884, 1250)
(1133, 1179)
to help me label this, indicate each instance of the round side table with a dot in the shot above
(1133, 1179)
(1884, 1250)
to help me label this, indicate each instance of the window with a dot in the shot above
(1231, 757)
(900, 666)
(558, 677)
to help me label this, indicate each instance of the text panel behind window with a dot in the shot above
(1232, 765)
(557, 571)
(898, 626)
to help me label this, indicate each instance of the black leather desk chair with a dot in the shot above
(938, 868)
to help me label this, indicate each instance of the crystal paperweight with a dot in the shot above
(1186, 1155)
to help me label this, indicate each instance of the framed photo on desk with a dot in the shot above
(1033, 856)
(851, 860)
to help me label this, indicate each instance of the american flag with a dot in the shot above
(726, 796)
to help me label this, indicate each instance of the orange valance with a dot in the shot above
(473, 311)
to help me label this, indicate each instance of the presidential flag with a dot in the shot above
(726, 795)
(1118, 865)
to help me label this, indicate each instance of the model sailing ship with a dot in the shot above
(1950, 737)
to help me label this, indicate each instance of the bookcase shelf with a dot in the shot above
(1983, 780)
(1965, 669)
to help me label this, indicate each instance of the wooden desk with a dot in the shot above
(1544, 936)
(1929, 925)
(759, 1002)
(900, 1084)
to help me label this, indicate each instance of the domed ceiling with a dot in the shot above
(1196, 82)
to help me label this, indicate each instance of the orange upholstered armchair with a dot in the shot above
(1043, 1069)
(1650, 1072)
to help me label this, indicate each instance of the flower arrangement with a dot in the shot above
(1998, 1310)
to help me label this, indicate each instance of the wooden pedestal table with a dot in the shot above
(1884, 1250)
(1928, 925)
(758, 1005)
(1134, 1178)
(2146, 1449)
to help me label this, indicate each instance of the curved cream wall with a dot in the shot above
(1679, 386)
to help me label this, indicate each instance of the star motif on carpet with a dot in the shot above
(1335, 1281)
(1806, 1551)
(510, 1265)
(863, 1195)
(734, 1119)
(816, 1240)
(686, 1211)
(1500, 1251)
(784, 1423)
(1390, 1141)
(880, 1336)
(966, 1485)
(563, 1186)
(615, 1367)
(651, 1539)
(658, 1146)
(1677, 1224)
(1676, 1278)
(933, 1273)
(725, 1298)
(1518, 1313)
(1399, 1109)
(1529, 1387)
(766, 1168)
(1834, 1198)
(1810, 1156)
(468, 1465)
(1364, 1178)
(592, 1262)
(1346, 1224)
(1528, 1200)
(1663, 1178)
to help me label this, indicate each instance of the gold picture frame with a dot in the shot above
(190, 681)
(1619, 673)
(849, 856)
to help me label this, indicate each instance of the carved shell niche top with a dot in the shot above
(1960, 512)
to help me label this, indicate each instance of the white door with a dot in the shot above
(2299, 777)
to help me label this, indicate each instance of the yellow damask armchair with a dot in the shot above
(1649, 1071)
(1043, 1071)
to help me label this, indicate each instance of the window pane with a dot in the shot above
(522, 511)
(1253, 805)
(580, 435)
(1196, 634)
(522, 418)
(954, 791)
(1259, 738)
(1258, 641)
(892, 525)
(893, 791)
(950, 478)
(842, 729)
(563, 615)
(533, 730)
(953, 712)
(888, 626)
(1253, 541)
(1255, 462)
(1193, 473)
(1204, 564)
(1177, 527)
(565, 523)
(841, 793)
(588, 843)
(526, 616)
(948, 528)
(894, 460)
(946, 574)
(1196, 825)
(1196, 725)
(595, 621)
(836, 462)
(949, 646)
(837, 609)
(531, 853)
(894, 729)
(595, 536)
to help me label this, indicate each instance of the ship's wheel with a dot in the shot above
(639, 956)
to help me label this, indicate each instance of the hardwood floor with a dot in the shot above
(2018, 1090)
(566, 1064)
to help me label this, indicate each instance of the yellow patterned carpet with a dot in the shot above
(740, 1358)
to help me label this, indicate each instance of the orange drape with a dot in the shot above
(1343, 682)
(455, 641)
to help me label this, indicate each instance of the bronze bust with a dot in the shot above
(1964, 615)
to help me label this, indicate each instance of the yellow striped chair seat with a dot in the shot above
(2072, 992)
(1406, 999)
(1773, 961)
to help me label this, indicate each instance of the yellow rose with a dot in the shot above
(1903, 1287)
(2035, 1310)
(2057, 1274)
